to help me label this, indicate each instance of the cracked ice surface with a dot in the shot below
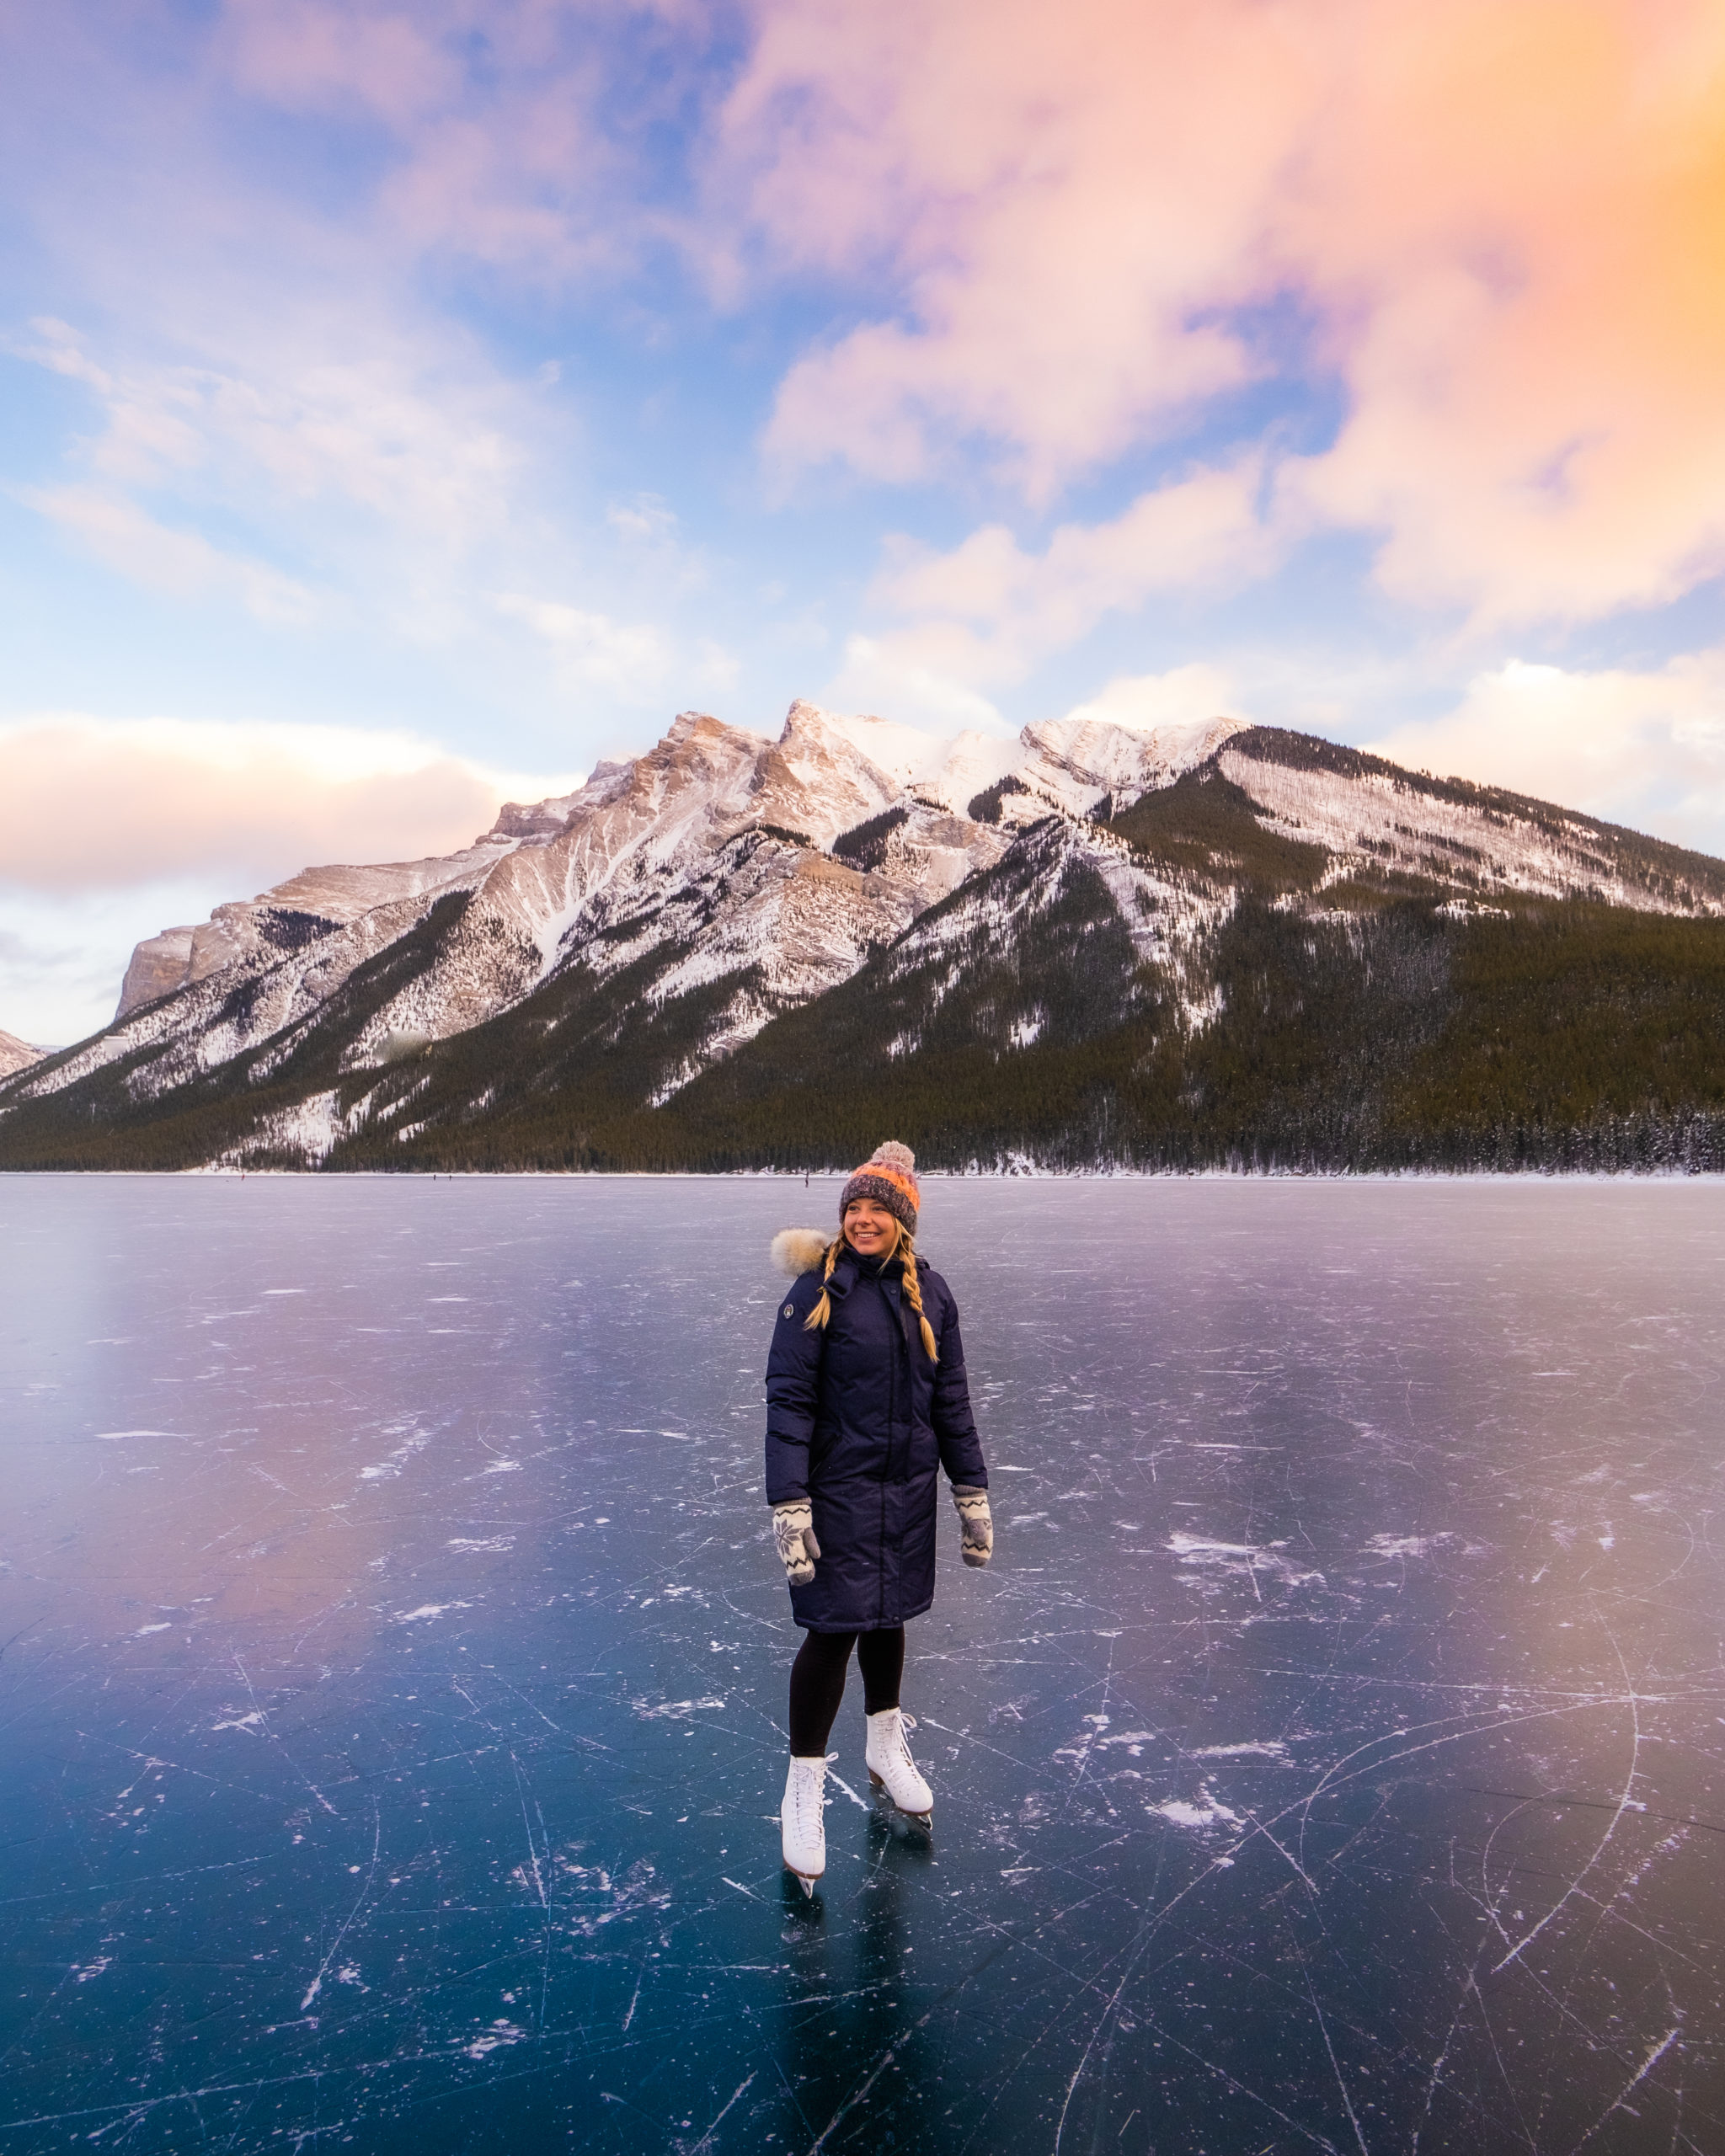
(393, 1671)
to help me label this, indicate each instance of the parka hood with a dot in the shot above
(796, 1251)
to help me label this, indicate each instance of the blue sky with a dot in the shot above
(406, 403)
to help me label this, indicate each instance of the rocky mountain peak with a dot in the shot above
(696, 895)
(1112, 757)
(533, 822)
(16, 1054)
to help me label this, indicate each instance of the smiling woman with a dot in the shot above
(868, 1399)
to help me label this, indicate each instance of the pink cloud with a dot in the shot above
(988, 609)
(88, 805)
(1505, 216)
(494, 114)
(1054, 200)
(388, 61)
(1646, 748)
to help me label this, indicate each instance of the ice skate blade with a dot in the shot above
(923, 1819)
(808, 1880)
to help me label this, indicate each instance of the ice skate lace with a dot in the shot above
(808, 1797)
(896, 1748)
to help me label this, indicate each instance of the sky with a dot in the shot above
(408, 401)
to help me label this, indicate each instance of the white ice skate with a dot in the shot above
(801, 1819)
(891, 1767)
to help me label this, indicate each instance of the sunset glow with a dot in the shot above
(499, 382)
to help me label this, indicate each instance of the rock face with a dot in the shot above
(159, 965)
(715, 840)
(16, 1055)
(310, 905)
(676, 904)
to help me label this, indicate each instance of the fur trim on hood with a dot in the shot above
(796, 1251)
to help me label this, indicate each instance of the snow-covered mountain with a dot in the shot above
(15, 1054)
(718, 839)
(726, 879)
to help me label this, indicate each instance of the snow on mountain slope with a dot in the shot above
(702, 876)
(550, 877)
(16, 1054)
(293, 913)
(1081, 760)
(644, 853)
(1075, 762)
(695, 846)
(1164, 919)
(1367, 812)
(903, 754)
(972, 764)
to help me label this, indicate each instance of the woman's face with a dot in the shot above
(869, 1229)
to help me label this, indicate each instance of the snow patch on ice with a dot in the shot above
(1247, 1559)
(1197, 1818)
(387, 1470)
(498, 2036)
(1406, 1545)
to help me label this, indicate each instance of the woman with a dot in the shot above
(865, 1401)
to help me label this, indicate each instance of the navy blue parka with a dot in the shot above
(860, 1421)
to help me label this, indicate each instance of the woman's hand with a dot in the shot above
(975, 1523)
(793, 1531)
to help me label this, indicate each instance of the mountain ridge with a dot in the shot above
(599, 975)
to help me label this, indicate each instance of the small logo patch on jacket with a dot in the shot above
(790, 1309)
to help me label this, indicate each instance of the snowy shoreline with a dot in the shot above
(1637, 1177)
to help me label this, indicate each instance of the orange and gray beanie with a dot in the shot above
(888, 1175)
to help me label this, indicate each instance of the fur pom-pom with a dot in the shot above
(796, 1251)
(893, 1155)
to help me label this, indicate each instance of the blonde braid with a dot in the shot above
(816, 1320)
(913, 1292)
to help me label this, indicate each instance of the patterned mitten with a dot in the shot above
(975, 1523)
(793, 1530)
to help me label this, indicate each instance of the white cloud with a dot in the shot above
(632, 659)
(716, 671)
(1645, 748)
(892, 676)
(647, 520)
(1497, 222)
(357, 412)
(182, 564)
(1145, 701)
(988, 611)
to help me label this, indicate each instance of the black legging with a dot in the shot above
(818, 1681)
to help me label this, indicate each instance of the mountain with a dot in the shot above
(1096, 944)
(16, 1054)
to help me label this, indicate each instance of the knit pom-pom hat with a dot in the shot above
(888, 1175)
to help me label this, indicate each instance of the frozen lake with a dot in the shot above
(394, 1657)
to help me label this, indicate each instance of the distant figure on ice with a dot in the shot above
(865, 1401)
